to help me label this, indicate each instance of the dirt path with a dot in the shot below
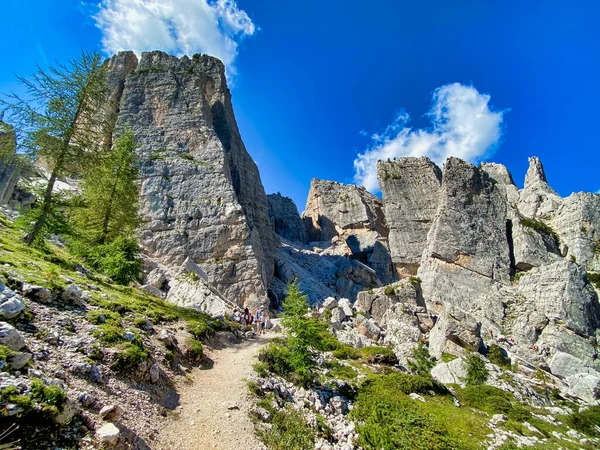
(214, 407)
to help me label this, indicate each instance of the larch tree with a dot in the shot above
(110, 194)
(60, 120)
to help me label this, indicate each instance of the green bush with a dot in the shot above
(342, 372)
(288, 431)
(540, 227)
(374, 354)
(129, 357)
(52, 397)
(496, 356)
(108, 333)
(196, 351)
(493, 401)
(475, 367)
(10, 395)
(389, 419)
(389, 290)
(100, 316)
(118, 259)
(421, 363)
(587, 421)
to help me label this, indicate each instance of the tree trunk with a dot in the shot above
(47, 203)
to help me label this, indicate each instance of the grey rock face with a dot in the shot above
(354, 216)
(469, 228)
(578, 224)
(453, 332)
(332, 207)
(411, 192)
(561, 292)
(201, 194)
(537, 199)
(285, 218)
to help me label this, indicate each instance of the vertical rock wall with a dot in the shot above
(201, 194)
(285, 218)
(9, 169)
(411, 188)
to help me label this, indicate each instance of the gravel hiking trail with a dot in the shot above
(213, 411)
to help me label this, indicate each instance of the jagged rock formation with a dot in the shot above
(410, 188)
(352, 214)
(201, 194)
(285, 218)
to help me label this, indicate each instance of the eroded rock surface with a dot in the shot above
(201, 194)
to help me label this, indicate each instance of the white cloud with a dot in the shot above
(462, 125)
(174, 26)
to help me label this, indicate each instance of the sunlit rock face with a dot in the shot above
(201, 194)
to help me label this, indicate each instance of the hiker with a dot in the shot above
(258, 316)
(263, 323)
(247, 316)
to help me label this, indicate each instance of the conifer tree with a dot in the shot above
(110, 194)
(58, 120)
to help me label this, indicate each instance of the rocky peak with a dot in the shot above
(201, 193)
(538, 199)
(285, 218)
(332, 207)
(411, 188)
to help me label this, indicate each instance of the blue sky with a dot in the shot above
(315, 84)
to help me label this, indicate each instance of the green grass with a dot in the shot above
(594, 278)
(50, 266)
(129, 357)
(541, 227)
(288, 431)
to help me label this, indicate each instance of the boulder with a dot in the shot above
(453, 332)
(450, 372)
(108, 434)
(345, 305)
(19, 360)
(369, 329)
(157, 278)
(10, 337)
(111, 412)
(37, 293)
(330, 303)
(11, 307)
(73, 294)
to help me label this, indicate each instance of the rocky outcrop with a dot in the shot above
(349, 213)
(537, 199)
(201, 195)
(577, 222)
(333, 207)
(411, 192)
(285, 218)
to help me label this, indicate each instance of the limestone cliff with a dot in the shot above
(285, 218)
(411, 188)
(201, 194)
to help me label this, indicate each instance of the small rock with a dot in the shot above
(111, 412)
(416, 396)
(10, 307)
(67, 413)
(498, 418)
(166, 338)
(86, 400)
(108, 433)
(96, 374)
(154, 373)
(263, 415)
(129, 336)
(19, 360)
(10, 337)
(36, 293)
(73, 294)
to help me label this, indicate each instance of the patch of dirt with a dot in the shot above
(214, 408)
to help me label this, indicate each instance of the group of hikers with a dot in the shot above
(258, 320)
